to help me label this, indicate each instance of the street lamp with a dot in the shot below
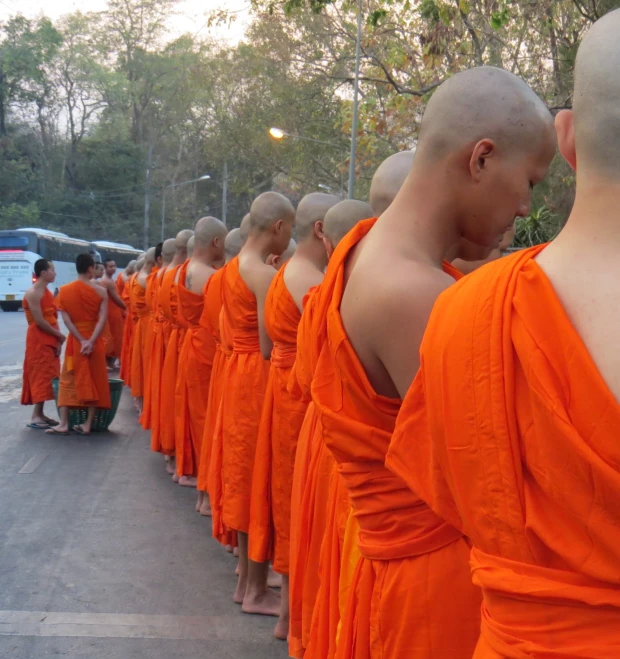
(278, 134)
(163, 203)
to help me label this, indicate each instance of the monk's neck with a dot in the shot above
(204, 256)
(260, 244)
(313, 251)
(85, 278)
(179, 259)
(40, 285)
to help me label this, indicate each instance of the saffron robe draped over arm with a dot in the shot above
(141, 312)
(151, 291)
(516, 442)
(193, 378)
(411, 595)
(280, 425)
(161, 332)
(243, 403)
(130, 321)
(210, 322)
(84, 378)
(169, 304)
(41, 364)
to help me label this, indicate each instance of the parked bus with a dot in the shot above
(21, 248)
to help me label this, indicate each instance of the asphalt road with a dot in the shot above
(102, 555)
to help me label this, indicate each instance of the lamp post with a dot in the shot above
(163, 203)
(358, 48)
(278, 134)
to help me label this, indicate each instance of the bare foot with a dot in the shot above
(229, 549)
(188, 481)
(236, 551)
(175, 478)
(205, 509)
(170, 465)
(200, 500)
(237, 569)
(274, 580)
(266, 603)
(281, 630)
(239, 593)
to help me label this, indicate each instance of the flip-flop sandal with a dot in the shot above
(80, 431)
(53, 431)
(52, 423)
(38, 425)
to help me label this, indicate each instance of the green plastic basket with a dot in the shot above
(103, 418)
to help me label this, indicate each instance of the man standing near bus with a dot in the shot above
(43, 344)
(116, 313)
(84, 377)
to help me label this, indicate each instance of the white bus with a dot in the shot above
(21, 248)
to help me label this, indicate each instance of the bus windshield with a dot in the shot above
(13, 242)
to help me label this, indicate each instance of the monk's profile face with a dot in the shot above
(110, 268)
(98, 270)
(49, 275)
(499, 188)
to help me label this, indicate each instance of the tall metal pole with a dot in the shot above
(163, 214)
(147, 196)
(225, 192)
(358, 48)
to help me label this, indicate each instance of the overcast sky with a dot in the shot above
(191, 14)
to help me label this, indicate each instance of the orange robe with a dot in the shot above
(243, 403)
(215, 477)
(116, 323)
(193, 378)
(139, 308)
(84, 379)
(169, 307)
(130, 321)
(210, 322)
(151, 291)
(526, 463)
(411, 595)
(161, 333)
(120, 285)
(41, 364)
(281, 421)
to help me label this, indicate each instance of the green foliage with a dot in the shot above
(540, 226)
(15, 216)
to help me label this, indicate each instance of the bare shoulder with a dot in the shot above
(299, 277)
(101, 290)
(256, 274)
(198, 274)
(34, 294)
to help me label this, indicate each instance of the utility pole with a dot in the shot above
(147, 196)
(358, 49)
(225, 192)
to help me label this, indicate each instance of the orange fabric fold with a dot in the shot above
(243, 403)
(411, 594)
(526, 462)
(41, 364)
(161, 332)
(210, 322)
(281, 420)
(130, 322)
(149, 297)
(141, 314)
(116, 323)
(193, 378)
(169, 307)
(84, 379)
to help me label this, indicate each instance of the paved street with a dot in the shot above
(102, 555)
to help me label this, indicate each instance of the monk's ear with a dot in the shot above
(329, 248)
(275, 261)
(565, 129)
(318, 230)
(483, 152)
(278, 227)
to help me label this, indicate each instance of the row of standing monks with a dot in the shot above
(429, 463)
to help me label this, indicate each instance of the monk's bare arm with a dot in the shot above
(300, 282)
(259, 285)
(103, 316)
(113, 293)
(72, 328)
(34, 302)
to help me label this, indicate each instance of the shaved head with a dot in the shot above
(312, 209)
(149, 256)
(232, 243)
(207, 229)
(269, 208)
(340, 219)
(190, 247)
(140, 264)
(244, 229)
(482, 103)
(388, 179)
(182, 238)
(168, 250)
(596, 99)
(131, 267)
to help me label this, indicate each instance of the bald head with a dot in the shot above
(206, 230)
(244, 229)
(232, 243)
(340, 219)
(140, 264)
(388, 179)
(596, 99)
(149, 257)
(482, 103)
(312, 209)
(182, 238)
(268, 209)
(131, 267)
(168, 250)
(190, 247)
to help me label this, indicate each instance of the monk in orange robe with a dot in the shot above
(198, 349)
(140, 306)
(84, 377)
(525, 462)
(414, 568)
(116, 313)
(283, 414)
(246, 282)
(43, 344)
(149, 297)
(161, 334)
(169, 306)
(130, 322)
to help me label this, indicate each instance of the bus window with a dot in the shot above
(13, 242)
